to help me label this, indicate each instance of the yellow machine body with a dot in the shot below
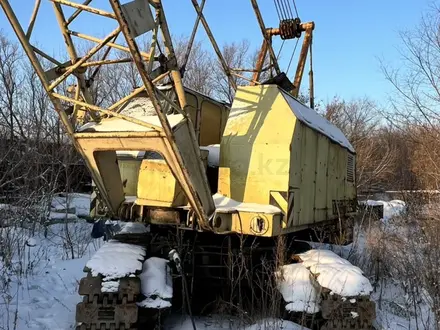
(269, 155)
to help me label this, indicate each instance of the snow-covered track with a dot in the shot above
(111, 289)
(107, 310)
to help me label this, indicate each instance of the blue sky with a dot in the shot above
(349, 37)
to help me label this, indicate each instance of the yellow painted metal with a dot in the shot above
(95, 144)
(255, 144)
(129, 169)
(208, 116)
(246, 223)
(152, 182)
(268, 156)
(157, 185)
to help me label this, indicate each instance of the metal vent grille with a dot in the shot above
(350, 168)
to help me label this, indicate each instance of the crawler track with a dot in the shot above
(116, 310)
(119, 310)
(101, 310)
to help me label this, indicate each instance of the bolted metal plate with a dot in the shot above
(138, 15)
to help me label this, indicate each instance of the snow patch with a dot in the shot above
(31, 242)
(71, 203)
(138, 106)
(213, 155)
(227, 205)
(54, 216)
(354, 314)
(336, 274)
(110, 286)
(115, 260)
(156, 283)
(295, 285)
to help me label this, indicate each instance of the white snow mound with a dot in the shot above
(295, 285)
(156, 283)
(336, 274)
(115, 260)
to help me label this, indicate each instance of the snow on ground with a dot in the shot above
(45, 295)
(57, 216)
(157, 284)
(73, 203)
(222, 322)
(296, 287)
(42, 285)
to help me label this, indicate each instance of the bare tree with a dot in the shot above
(236, 55)
(360, 122)
(416, 101)
(198, 67)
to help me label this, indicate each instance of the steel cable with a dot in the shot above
(276, 7)
(283, 14)
(291, 57)
(290, 9)
(281, 48)
(296, 9)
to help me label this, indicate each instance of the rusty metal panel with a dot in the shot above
(164, 216)
(138, 16)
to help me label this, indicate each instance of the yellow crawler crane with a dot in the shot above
(219, 185)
